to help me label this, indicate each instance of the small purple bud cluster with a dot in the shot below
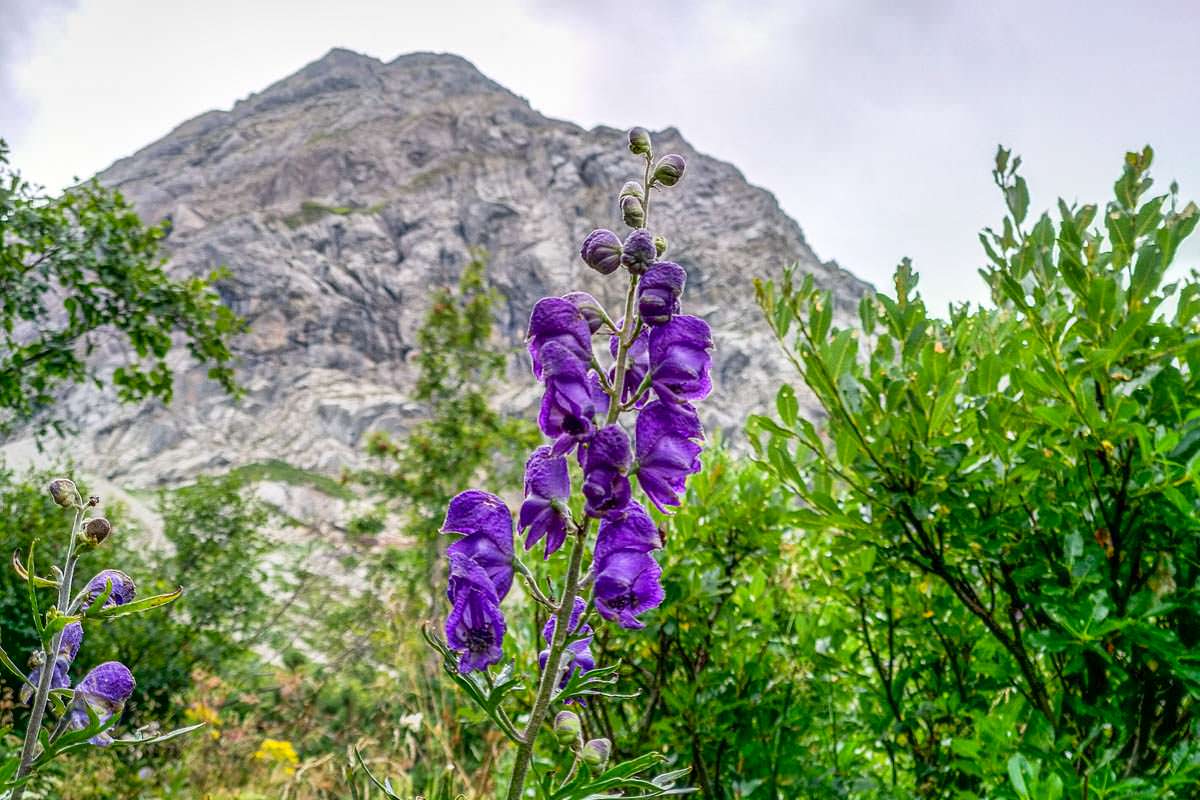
(661, 361)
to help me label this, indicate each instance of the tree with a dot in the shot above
(460, 362)
(1015, 495)
(80, 267)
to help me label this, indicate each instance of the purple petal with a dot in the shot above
(666, 450)
(475, 629)
(631, 529)
(555, 320)
(495, 563)
(475, 512)
(680, 359)
(627, 585)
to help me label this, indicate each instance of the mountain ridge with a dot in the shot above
(339, 193)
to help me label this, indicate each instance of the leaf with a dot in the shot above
(161, 737)
(42, 583)
(136, 607)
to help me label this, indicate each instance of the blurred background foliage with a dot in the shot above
(977, 577)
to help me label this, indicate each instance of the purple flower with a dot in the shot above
(547, 488)
(105, 690)
(601, 251)
(578, 653)
(568, 405)
(637, 364)
(667, 448)
(629, 528)
(639, 250)
(627, 584)
(680, 359)
(123, 588)
(487, 528)
(555, 319)
(589, 307)
(658, 293)
(475, 628)
(68, 648)
(606, 460)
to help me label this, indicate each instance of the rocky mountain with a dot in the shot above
(339, 195)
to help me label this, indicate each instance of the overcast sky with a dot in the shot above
(873, 122)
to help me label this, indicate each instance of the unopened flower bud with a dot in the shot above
(567, 727)
(669, 169)
(639, 251)
(660, 245)
(596, 751)
(639, 141)
(632, 189)
(633, 212)
(64, 492)
(97, 530)
(590, 307)
(601, 251)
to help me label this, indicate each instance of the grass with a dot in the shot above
(311, 211)
(283, 472)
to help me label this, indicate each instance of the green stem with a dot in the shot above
(562, 616)
(38, 710)
(541, 704)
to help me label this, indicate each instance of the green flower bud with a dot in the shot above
(64, 492)
(660, 245)
(567, 727)
(595, 752)
(669, 169)
(633, 212)
(639, 141)
(97, 530)
(632, 189)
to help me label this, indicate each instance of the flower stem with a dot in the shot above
(541, 704)
(38, 710)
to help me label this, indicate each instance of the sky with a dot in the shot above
(874, 123)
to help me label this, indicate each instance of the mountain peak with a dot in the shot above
(340, 194)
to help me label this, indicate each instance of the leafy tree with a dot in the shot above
(1015, 500)
(81, 267)
(724, 687)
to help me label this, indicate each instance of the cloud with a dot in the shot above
(24, 24)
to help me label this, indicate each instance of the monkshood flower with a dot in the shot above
(579, 651)
(628, 579)
(639, 251)
(487, 528)
(606, 460)
(568, 407)
(667, 447)
(123, 589)
(105, 690)
(547, 489)
(601, 251)
(68, 648)
(628, 583)
(680, 359)
(556, 319)
(589, 307)
(637, 364)
(659, 291)
(475, 627)
(660, 365)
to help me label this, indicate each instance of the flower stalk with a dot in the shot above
(38, 710)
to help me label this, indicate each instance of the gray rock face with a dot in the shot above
(339, 195)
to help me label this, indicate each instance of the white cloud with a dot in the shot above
(873, 122)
